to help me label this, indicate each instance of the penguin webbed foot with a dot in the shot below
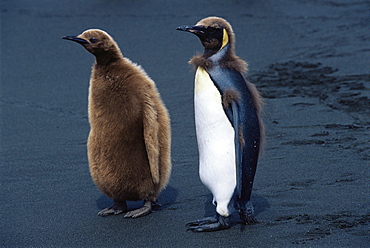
(248, 219)
(209, 224)
(247, 215)
(208, 220)
(118, 207)
(144, 210)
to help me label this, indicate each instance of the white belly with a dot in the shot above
(215, 137)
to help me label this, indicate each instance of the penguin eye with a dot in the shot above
(211, 30)
(93, 40)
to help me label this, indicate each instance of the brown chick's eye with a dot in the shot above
(93, 40)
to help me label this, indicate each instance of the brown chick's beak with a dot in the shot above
(75, 39)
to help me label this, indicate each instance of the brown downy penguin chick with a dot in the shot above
(129, 142)
(228, 124)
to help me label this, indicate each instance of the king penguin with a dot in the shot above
(228, 125)
(129, 140)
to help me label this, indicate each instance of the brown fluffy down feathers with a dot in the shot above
(129, 142)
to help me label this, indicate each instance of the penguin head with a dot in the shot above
(97, 42)
(214, 33)
(217, 37)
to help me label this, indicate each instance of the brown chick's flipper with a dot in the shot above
(210, 224)
(118, 207)
(144, 210)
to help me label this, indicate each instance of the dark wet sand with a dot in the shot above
(310, 60)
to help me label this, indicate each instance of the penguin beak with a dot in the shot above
(198, 30)
(76, 39)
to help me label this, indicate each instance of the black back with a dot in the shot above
(242, 115)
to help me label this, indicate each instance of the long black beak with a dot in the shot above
(191, 29)
(74, 38)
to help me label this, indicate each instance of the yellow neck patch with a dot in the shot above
(225, 39)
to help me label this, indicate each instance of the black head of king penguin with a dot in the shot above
(228, 124)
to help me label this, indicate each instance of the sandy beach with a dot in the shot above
(310, 61)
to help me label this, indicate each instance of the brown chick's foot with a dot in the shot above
(118, 207)
(144, 210)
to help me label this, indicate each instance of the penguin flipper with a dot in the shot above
(151, 128)
(231, 107)
(238, 147)
(246, 212)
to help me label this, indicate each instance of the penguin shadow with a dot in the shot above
(260, 205)
(166, 199)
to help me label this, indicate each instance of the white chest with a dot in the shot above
(207, 100)
(215, 135)
(210, 118)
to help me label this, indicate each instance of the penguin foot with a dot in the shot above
(250, 220)
(144, 210)
(247, 215)
(118, 207)
(205, 221)
(209, 224)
